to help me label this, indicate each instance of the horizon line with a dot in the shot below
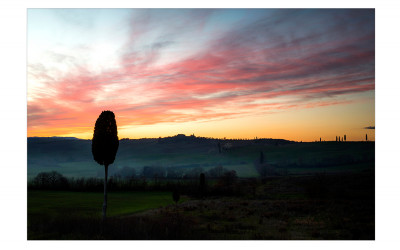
(239, 139)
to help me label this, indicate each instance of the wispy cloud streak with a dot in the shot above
(281, 60)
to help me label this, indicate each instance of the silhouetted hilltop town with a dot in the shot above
(179, 138)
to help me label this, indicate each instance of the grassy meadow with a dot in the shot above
(57, 203)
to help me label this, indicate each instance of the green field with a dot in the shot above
(56, 203)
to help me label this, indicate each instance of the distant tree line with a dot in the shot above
(46, 180)
(224, 184)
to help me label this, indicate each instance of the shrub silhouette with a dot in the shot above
(50, 180)
(175, 196)
(105, 146)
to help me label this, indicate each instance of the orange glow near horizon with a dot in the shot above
(296, 125)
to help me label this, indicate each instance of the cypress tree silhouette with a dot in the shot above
(366, 137)
(105, 146)
(344, 137)
(336, 138)
(261, 157)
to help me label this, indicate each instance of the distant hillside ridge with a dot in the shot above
(49, 139)
(191, 155)
(178, 137)
(73, 156)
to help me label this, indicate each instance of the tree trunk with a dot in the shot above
(105, 193)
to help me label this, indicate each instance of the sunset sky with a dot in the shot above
(295, 74)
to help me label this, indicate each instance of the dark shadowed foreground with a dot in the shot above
(321, 206)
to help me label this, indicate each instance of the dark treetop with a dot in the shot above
(105, 139)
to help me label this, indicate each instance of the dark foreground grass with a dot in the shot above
(52, 213)
(319, 207)
(55, 203)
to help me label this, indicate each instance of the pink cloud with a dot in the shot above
(231, 73)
